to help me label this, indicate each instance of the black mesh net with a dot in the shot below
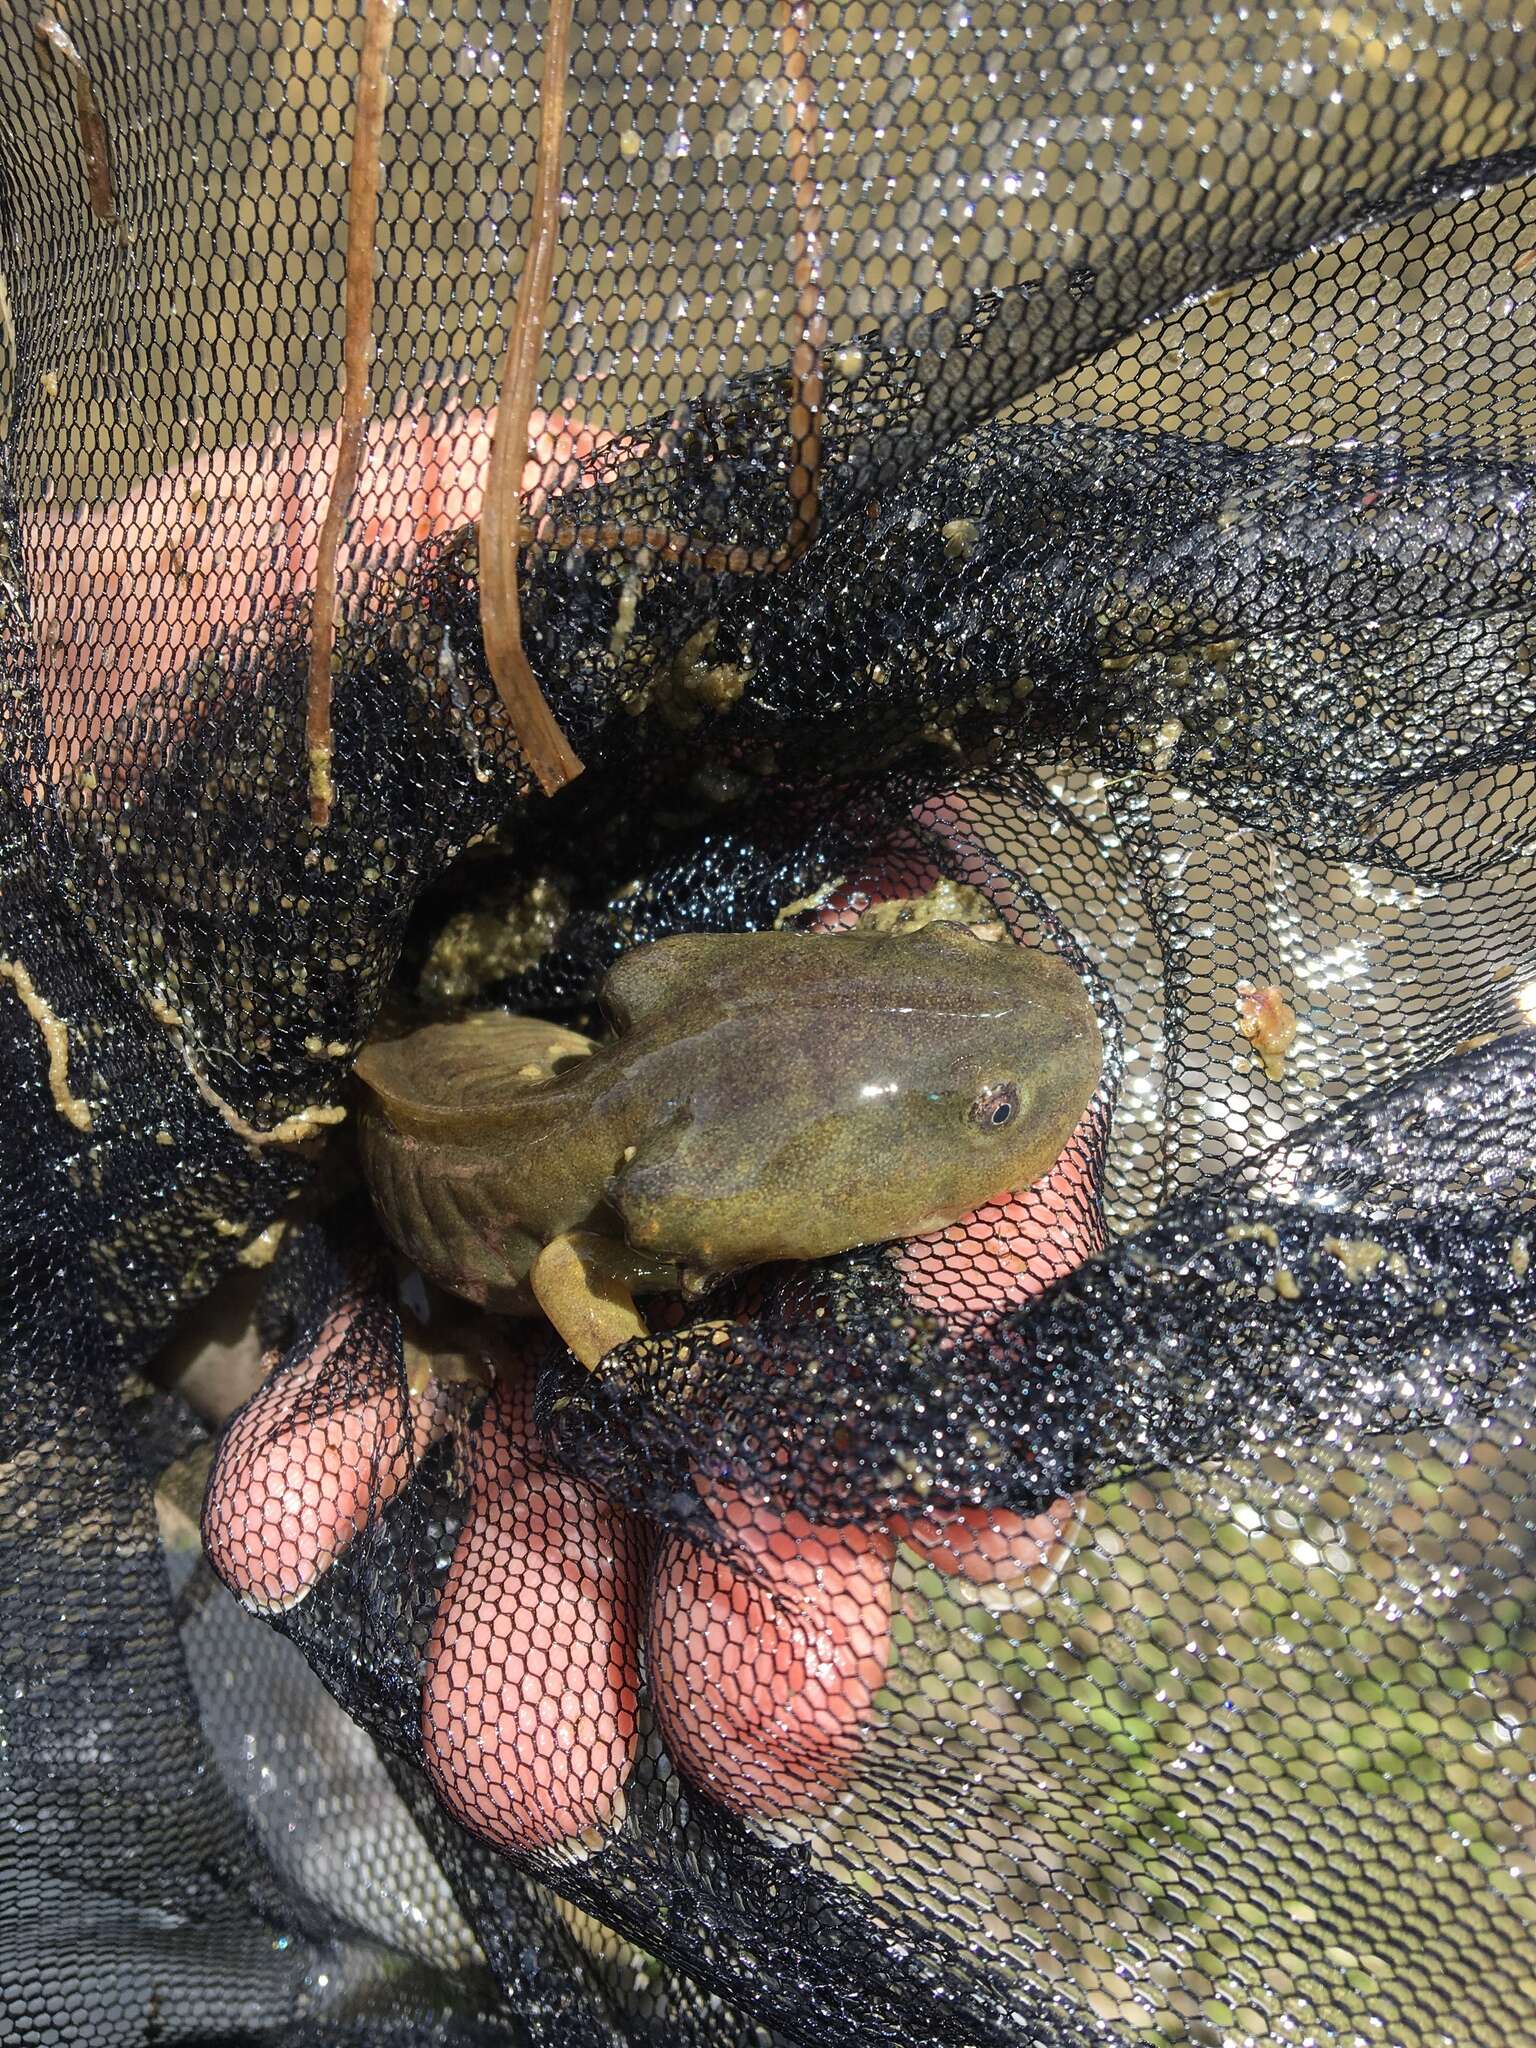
(1059, 469)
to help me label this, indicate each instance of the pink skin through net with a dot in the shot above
(764, 1664)
(532, 1691)
(208, 546)
(307, 1461)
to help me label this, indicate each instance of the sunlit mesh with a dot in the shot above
(1107, 1619)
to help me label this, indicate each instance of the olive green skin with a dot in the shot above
(766, 1095)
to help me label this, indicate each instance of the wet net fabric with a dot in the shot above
(1112, 1620)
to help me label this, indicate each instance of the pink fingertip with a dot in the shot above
(309, 1460)
(530, 1704)
(764, 1669)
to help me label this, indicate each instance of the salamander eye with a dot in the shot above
(996, 1106)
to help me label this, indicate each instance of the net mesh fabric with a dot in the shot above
(1148, 1642)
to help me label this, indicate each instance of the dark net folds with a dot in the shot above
(1081, 458)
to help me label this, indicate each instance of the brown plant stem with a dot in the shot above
(94, 145)
(501, 533)
(548, 751)
(362, 235)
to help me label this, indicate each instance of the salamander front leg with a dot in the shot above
(586, 1284)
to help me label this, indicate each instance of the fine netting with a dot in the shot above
(1052, 463)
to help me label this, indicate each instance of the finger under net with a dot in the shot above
(331, 1437)
(765, 1663)
(362, 229)
(531, 1695)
